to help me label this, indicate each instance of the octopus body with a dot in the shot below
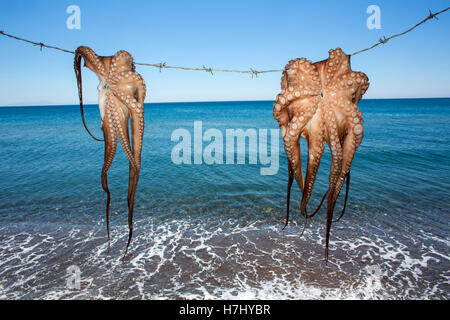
(319, 101)
(121, 95)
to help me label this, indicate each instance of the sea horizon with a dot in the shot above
(205, 101)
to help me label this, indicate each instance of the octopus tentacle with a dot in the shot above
(305, 223)
(88, 55)
(134, 175)
(315, 150)
(353, 84)
(109, 133)
(137, 125)
(302, 110)
(349, 147)
(134, 104)
(335, 171)
(132, 184)
(291, 136)
(290, 181)
(133, 178)
(347, 186)
(351, 143)
(309, 216)
(302, 79)
(337, 65)
(137, 129)
(93, 61)
(292, 149)
(120, 122)
(122, 61)
(299, 80)
(333, 142)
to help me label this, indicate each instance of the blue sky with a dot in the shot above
(222, 34)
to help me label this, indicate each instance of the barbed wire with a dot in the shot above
(384, 40)
(40, 44)
(253, 72)
(210, 70)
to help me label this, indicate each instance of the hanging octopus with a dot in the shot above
(121, 95)
(319, 101)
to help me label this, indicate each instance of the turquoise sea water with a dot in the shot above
(214, 231)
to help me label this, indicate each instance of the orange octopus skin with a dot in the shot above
(121, 95)
(319, 101)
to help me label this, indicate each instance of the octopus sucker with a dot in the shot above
(319, 101)
(121, 97)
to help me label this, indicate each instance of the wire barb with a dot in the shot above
(431, 16)
(383, 40)
(161, 65)
(254, 73)
(208, 69)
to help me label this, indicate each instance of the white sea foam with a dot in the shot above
(190, 259)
